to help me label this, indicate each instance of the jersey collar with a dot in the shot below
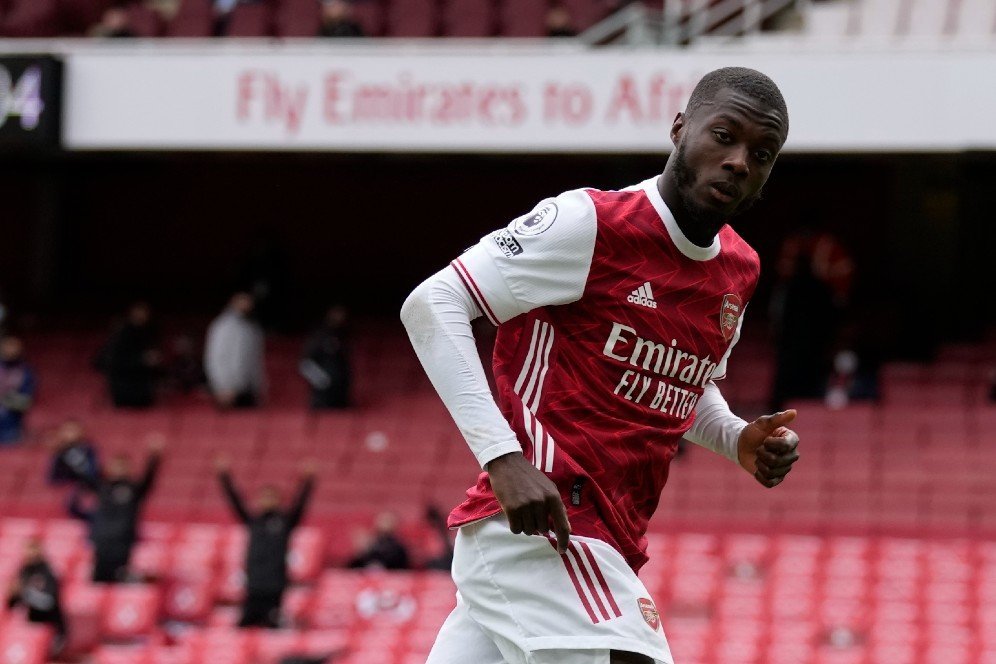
(685, 246)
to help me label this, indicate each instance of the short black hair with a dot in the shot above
(740, 79)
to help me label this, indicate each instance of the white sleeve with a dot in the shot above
(715, 427)
(437, 316)
(720, 372)
(542, 258)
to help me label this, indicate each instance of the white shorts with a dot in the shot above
(520, 602)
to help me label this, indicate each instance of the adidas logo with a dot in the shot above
(643, 296)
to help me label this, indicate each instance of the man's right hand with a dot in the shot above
(529, 498)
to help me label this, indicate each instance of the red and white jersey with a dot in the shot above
(611, 323)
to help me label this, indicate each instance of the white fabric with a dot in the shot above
(715, 427)
(233, 355)
(515, 590)
(684, 245)
(553, 265)
(437, 316)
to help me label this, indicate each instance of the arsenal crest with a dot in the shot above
(649, 612)
(729, 315)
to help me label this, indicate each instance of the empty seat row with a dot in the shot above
(300, 18)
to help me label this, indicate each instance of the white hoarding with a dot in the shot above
(507, 100)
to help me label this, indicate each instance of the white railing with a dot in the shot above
(684, 22)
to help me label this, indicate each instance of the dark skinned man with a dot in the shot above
(617, 314)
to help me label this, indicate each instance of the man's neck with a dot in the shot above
(698, 232)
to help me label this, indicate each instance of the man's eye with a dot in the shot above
(762, 156)
(722, 135)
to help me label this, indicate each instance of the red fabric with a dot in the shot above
(616, 441)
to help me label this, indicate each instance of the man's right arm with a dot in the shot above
(538, 260)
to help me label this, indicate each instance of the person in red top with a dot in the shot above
(617, 312)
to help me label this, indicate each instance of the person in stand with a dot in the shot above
(270, 527)
(385, 549)
(325, 363)
(17, 389)
(233, 356)
(338, 21)
(114, 521)
(37, 589)
(131, 360)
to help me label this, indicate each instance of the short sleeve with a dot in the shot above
(720, 372)
(540, 259)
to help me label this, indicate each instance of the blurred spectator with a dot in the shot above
(338, 21)
(559, 22)
(73, 455)
(185, 370)
(17, 389)
(114, 23)
(37, 589)
(233, 356)
(384, 549)
(270, 528)
(114, 523)
(437, 521)
(815, 273)
(325, 364)
(131, 359)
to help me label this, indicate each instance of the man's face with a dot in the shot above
(725, 151)
(10, 349)
(70, 432)
(268, 499)
(32, 551)
(119, 468)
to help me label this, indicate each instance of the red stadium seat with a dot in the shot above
(468, 18)
(31, 18)
(412, 18)
(131, 611)
(78, 16)
(272, 646)
(522, 18)
(83, 604)
(298, 18)
(194, 18)
(24, 643)
(190, 599)
(251, 19)
(144, 21)
(307, 554)
(122, 655)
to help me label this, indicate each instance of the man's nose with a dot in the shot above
(736, 161)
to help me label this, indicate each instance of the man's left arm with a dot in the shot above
(765, 448)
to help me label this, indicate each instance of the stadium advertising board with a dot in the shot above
(30, 92)
(554, 100)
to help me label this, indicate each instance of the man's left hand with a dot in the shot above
(767, 449)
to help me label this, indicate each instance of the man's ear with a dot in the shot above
(676, 127)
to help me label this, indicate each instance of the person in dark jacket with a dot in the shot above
(385, 549)
(73, 455)
(325, 362)
(338, 21)
(114, 521)
(131, 360)
(270, 529)
(17, 389)
(37, 589)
